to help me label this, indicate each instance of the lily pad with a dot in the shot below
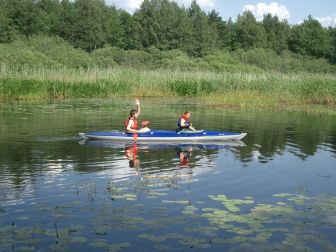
(23, 218)
(99, 243)
(151, 237)
(102, 230)
(195, 242)
(230, 204)
(162, 247)
(117, 247)
(157, 193)
(181, 202)
(78, 239)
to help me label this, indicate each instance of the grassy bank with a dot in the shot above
(239, 89)
(49, 68)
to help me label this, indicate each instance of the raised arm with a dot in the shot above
(137, 102)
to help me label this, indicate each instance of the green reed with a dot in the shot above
(212, 87)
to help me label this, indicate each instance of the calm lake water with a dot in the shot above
(273, 191)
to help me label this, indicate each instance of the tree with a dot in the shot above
(130, 38)
(218, 29)
(88, 29)
(163, 24)
(201, 37)
(7, 27)
(146, 24)
(276, 33)
(172, 25)
(113, 27)
(332, 35)
(229, 40)
(28, 18)
(249, 33)
(65, 26)
(309, 38)
(51, 10)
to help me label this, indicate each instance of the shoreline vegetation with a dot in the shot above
(50, 68)
(49, 51)
(220, 89)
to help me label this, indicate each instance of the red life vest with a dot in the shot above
(186, 123)
(135, 125)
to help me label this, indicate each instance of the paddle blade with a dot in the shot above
(145, 123)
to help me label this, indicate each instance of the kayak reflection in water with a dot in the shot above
(184, 155)
(183, 123)
(131, 154)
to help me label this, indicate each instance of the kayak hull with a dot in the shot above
(164, 136)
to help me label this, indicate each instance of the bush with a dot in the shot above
(41, 52)
(18, 56)
(53, 52)
(285, 62)
(104, 57)
(60, 51)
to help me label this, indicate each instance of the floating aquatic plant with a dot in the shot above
(102, 230)
(181, 202)
(231, 204)
(162, 247)
(152, 237)
(189, 210)
(117, 247)
(99, 243)
(78, 239)
(193, 242)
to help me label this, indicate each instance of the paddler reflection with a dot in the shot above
(131, 154)
(184, 154)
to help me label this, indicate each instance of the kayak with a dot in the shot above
(165, 136)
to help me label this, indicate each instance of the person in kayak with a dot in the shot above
(132, 122)
(183, 123)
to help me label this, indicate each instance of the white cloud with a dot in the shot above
(327, 21)
(273, 8)
(202, 3)
(132, 5)
(324, 21)
(128, 5)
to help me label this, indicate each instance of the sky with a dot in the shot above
(295, 11)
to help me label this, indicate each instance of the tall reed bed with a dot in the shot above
(211, 87)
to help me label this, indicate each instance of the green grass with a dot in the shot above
(214, 88)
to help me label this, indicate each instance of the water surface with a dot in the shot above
(273, 191)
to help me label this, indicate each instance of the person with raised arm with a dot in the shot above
(132, 121)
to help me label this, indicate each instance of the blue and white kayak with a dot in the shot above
(165, 136)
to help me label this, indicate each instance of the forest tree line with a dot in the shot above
(163, 24)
